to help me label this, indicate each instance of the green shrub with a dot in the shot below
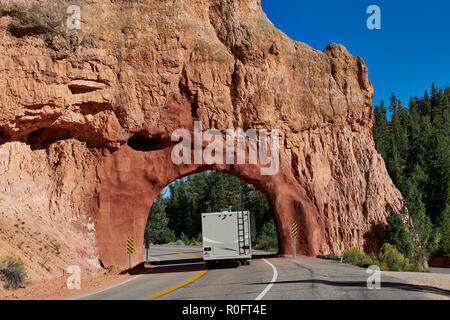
(394, 259)
(194, 242)
(268, 240)
(425, 236)
(178, 243)
(13, 273)
(266, 244)
(389, 260)
(351, 255)
(382, 265)
(166, 235)
(162, 236)
(356, 257)
(411, 267)
(185, 239)
(157, 223)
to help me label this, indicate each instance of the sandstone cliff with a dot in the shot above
(86, 118)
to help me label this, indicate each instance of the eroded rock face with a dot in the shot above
(95, 109)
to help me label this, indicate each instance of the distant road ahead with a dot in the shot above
(179, 273)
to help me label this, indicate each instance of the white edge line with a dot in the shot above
(274, 278)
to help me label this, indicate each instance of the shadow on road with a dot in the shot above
(363, 284)
(181, 265)
(167, 266)
(265, 256)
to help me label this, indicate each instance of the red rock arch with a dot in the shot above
(131, 180)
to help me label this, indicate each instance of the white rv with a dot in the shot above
(226, 237)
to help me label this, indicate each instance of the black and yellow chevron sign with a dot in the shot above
(294, 230)
(130, 245)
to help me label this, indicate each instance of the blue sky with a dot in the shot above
(411, 50)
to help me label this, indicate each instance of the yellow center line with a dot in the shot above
(191, 279)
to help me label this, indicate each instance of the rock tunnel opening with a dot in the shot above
(132, 179)
(175, 215)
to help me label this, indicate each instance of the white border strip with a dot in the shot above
(274, 278)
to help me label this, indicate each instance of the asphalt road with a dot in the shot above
(440, 270)
(178, 273)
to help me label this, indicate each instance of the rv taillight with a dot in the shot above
(246, 247)
(207, 249)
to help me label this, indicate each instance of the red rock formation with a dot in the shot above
(95, 109)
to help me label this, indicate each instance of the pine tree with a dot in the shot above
(440, 97)
(218, 199)
(426, 239)
(233, 192)
(394, 166)
(397, 235)
(447, 94)
(157, 222)
(178, 208)
(438, 171)
(434, 100)
(399, 127)
(425, 105)
(253, 230)
(445, 100)
(419, 133)
(380, 129)
(196, 189)
(412, 106)
(268, 240)
(444, 230)
(393, 103)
